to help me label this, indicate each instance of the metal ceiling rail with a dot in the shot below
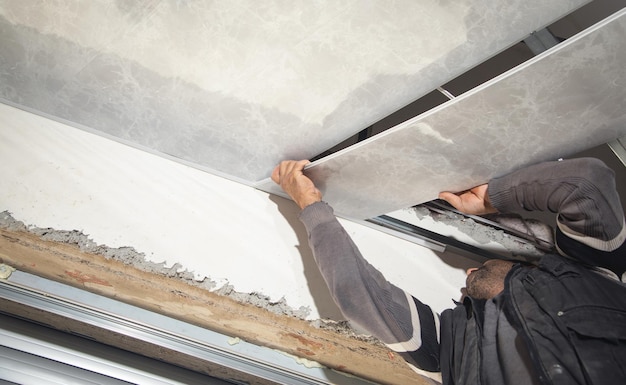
(543, 245)
(618, 146)
(32, 353)
(141, 324)
(440, 243)
(447, 243)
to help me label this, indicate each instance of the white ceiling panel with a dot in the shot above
(568, 99)
(233, 87)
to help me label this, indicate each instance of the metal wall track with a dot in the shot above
(256, 364)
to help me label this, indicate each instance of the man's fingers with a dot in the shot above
(303, 163)
(276, 174)
(451, 198)
(288, 169)
(290, 177)
(298, 166)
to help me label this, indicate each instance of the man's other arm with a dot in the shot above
(365, 297)
(582, 192)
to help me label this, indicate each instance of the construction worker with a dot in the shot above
(560, 321)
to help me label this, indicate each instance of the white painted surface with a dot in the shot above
(54, 175)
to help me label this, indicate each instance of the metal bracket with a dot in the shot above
(618, 146)
(540, 41)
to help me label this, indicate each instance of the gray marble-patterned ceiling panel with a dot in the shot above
(568, 99)
(233, 87)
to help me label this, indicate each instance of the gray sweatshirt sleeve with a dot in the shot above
(365, 297)
(582, 192)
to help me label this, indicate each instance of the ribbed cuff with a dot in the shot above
(606, 245)
(501, 195)
(315, 214)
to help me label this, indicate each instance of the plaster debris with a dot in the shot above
(6, 271)
(303, 361)
(130, 256)
(234, 341)
(126, 255)
(344, 328)
(279, 307)
(542, 234)
(7, 222)
(483, 234)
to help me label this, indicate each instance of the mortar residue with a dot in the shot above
(540, 233)
(130, 256)
(344, 328)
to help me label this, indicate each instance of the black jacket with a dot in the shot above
(572, 321)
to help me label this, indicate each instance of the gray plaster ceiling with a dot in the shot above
(564, 101)
(235, 87)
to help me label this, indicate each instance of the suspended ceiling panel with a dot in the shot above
(234, 87)
(570, 98)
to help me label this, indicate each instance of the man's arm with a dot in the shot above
(590, 220)
(364, 296)
(582, 192)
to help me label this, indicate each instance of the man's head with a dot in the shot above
(487, 281)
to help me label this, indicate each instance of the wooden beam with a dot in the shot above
(67, 264)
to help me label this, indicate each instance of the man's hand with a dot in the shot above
(288, 174)
(473, 202)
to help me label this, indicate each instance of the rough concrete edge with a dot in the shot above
(483, 234)
(129, 256)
